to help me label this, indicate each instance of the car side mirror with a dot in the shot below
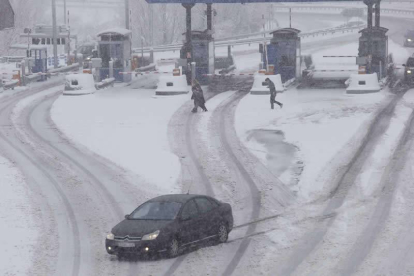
(127, 216)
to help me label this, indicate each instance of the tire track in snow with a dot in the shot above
(226, 113)
(196, 164)
(97, 172)
(346, 180)
(8, 108)
(366, 240)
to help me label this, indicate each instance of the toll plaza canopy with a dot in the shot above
(237, 1)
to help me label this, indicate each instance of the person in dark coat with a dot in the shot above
(273, 93)
(198, 97)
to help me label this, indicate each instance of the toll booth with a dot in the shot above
(36, 56)
(377, 63)
(202, 46)
(115, 45)
(283, 53)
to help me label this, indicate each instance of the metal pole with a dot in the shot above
(127, 14)
(151, 25)
(64, 12)
(209, 17)
(290, 17)
(377, 13)
(55, 60)
(264, 29)
(68, 42)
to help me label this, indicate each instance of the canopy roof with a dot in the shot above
(115, 31)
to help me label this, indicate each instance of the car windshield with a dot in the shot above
(410, 62)
(156, 211)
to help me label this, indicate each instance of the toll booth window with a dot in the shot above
(63, 41)
(58, 41)
(48, 41)
(43, 41)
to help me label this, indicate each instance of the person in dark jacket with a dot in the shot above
(198, 97)
(273, 93)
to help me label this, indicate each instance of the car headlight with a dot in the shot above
(110, 236)
(408, 71)
(152, 236)
(409, 39)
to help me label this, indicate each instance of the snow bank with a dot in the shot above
(18, 230)
(126, 126)
(79, 84)
(172, 85)
(364, 83)
(260, 87)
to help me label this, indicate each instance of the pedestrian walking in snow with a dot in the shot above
(198, 97)
(273, 93)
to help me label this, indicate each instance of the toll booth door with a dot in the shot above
(272, 53)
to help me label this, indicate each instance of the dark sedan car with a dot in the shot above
(169, 223)
(409, 70)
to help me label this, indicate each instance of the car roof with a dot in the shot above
(181, 198)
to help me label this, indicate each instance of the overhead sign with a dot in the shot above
(237, 1)
(6, 15)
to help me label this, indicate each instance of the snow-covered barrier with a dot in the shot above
(364, 83)
(172, 85)
(260, 87)
(79, 84)
(10, 84)
(105, 83)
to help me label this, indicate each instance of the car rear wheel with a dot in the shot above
(173, 248)
(222, 234)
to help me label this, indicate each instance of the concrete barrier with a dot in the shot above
(260, 87)
(11, 84)
(362, 84)
(172, 85)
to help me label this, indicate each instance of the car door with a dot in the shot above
(209, 219)
(189, 224)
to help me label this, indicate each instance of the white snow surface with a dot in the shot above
(318, 122)
(17, 227)
(129, 127)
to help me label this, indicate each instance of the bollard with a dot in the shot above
(23, 78)
(193, 72)
(111, 68)
(152, 55)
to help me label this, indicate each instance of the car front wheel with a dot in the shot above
(222, 234)
(173, 248)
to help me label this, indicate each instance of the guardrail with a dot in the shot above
(175, 47)
(72, 67)
(105, 83)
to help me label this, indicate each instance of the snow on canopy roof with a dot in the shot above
(31, 47)
(115, 31)
(286, 31)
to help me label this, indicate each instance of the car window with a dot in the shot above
(156, 211)
(204, 205)
(410, 62)
(190, 210)
(214, 202)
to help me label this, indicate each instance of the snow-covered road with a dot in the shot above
(77, 181)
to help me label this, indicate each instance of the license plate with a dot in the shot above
(126, 244)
